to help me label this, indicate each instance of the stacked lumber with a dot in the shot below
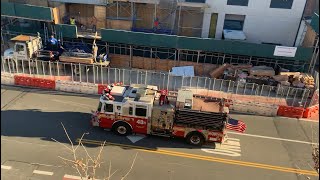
(307, 80)
(297, 82)
(282, 79)
(294, 74)
(262, 71)
(70, 59)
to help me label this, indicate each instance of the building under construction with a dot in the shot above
(161, 34)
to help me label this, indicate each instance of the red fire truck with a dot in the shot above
(145, 110)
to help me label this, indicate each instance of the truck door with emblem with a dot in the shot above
(107, 116)
(141, 119)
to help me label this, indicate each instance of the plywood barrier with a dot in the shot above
(120, 61)
(138, 62)
(100, 12)
(119, 24)
(162, 65)
(149, 63)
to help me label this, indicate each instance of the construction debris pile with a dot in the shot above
(295, 79)
(263, 75)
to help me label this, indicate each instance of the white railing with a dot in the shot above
(99, 74)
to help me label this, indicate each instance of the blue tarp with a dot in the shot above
(183, 71)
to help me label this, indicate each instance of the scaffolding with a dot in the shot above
(154, 16)
(201, 56)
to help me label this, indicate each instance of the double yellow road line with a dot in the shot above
(206, 158)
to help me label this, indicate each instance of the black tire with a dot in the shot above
(195, 139)
(122, 129)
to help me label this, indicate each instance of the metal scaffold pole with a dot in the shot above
(179, 17)
(314, 56)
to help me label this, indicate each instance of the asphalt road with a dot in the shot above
(272, 148)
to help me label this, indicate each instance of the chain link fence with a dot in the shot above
(98, 74)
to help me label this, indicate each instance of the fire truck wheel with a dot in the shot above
(122, 129)
(195, 139)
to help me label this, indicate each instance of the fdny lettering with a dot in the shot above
(141, 122)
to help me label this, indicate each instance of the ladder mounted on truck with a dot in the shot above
(210, 120)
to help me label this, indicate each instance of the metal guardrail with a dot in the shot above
(98, 74)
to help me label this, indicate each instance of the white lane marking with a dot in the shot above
(229, 148)
(3, 139)
(302, 119)
(72, 177)
(309, 120)
(6, 167)
(73, 103)
(43, 172)
(274, 138)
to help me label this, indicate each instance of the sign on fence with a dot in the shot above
(285, 51)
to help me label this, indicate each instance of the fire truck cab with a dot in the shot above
(139, 109)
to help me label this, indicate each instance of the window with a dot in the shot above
(19, 48)
(282, 4)
(234, 22)
(196, 1)
(99, 107)
(108, 108)
(141, 111)
(238, 2)
(130, 111)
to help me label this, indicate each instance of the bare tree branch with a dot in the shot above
(130, 167)
(88, 165)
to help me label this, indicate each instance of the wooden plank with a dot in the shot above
(56, 16)
(76, 60)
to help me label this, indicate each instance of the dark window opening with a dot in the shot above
(238, 2)
(282, 4)
(233, 25)
(196, 1)
(19, 48)
(141, 111)
(108, 108)
(130, 111)
(234, 22)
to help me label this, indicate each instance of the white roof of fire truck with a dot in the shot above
(139, 94)
(144, 95)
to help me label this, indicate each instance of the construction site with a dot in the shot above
(189, 70)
